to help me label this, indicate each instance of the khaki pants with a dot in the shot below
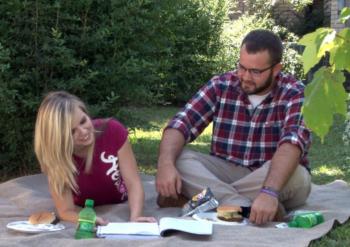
(233, 184)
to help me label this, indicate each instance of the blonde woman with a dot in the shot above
(85, 158)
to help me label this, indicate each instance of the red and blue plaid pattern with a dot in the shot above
(241, 134)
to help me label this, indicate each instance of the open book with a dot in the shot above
(166, 225)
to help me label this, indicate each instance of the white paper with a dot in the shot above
(127, 228)
(185, 225)
(117, 230)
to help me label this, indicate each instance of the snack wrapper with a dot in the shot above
(202, 202)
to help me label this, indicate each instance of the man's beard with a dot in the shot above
(269, 81)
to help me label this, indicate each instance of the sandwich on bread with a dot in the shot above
(229, 213)
(43, 218)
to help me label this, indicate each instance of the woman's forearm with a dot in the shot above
(69, 215)
(136, 198)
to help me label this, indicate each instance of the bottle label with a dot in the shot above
(308, 220)
(86, 226)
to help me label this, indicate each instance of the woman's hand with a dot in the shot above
(143, 219)
(101, 222)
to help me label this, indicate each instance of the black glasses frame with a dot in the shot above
(253, 72)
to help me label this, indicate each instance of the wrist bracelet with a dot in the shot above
(269, 191)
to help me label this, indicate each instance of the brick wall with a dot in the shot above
(333, 11)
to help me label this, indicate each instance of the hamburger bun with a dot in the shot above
(43, 218)
(229, 213)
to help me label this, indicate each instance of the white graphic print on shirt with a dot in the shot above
(114, 172)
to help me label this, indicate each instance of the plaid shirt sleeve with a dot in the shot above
(294, 130)
(197, 113)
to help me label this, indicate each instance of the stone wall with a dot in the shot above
(283, 13)
(327, 12)
(238, 9)
(286, 16)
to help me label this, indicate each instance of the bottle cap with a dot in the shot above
(320, 218)
(89, 203)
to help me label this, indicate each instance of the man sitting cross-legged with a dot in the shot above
(258, 157)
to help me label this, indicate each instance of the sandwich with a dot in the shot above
(43, 218)
(229, 213)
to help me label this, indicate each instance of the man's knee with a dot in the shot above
(187, 156)
(298, 188)
(301, 178)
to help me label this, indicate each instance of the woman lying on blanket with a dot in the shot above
(85, 158)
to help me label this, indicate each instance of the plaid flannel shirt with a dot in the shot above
(242, 134)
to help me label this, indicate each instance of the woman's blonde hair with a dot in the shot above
(53, 140)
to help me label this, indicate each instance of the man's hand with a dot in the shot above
(168, 180)
(264, 209)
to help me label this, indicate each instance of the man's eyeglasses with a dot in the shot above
(253, 72)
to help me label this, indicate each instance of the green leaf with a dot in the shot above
(344, 14)
(327, 44)
(340, 52)
(324, 97)
(313, 43)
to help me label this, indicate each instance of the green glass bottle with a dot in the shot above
(306, 220)
(87, 221)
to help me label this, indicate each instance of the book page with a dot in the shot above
(128, 228)
(185, 225)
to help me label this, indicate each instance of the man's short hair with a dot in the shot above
(260, 40)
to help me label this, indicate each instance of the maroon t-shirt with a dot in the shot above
(104, 183)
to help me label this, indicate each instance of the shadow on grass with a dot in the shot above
(330, 160)
(146, 150)
(146, 118)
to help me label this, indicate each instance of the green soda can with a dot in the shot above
(87, 221)
(306, 220)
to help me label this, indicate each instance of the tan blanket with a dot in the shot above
(22, 196)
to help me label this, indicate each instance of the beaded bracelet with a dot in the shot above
(269, 191)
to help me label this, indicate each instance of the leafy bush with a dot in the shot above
(110, 53)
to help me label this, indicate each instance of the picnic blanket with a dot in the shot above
(25, 195)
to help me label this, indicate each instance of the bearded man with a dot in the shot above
(258, 158)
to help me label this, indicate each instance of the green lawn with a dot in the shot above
(330, 160)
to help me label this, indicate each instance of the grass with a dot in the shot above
(145, 141)
(329, 160)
